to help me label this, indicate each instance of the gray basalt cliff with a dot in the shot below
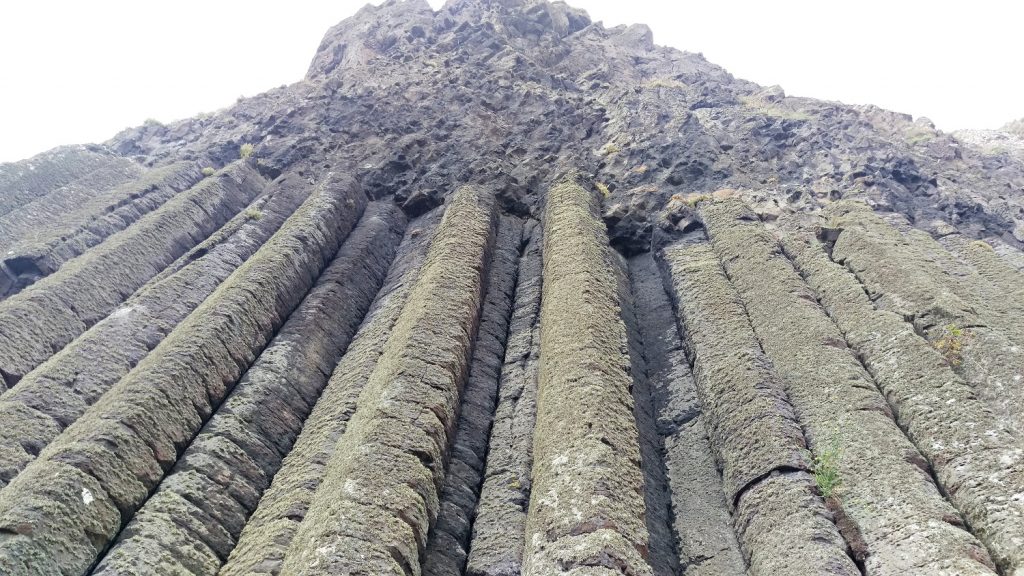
(497, 290)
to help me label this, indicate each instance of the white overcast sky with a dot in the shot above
(80, 71)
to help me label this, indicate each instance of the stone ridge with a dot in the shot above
(842, 410)
(497, 290)
(57, 393)
(381, 492)
(270, 530)
(43, 246)
(107, 462)
(65, 304)
(240, 440)
(590, 463)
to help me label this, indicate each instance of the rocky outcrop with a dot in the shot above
(887, 494)
(270, 530)
(41, 320)
(101, 469)
(385, 333)
(753, 428)
(58, 392)
(380, 493)
(448, 545)
(232, 460)
(55, 181)
(589, 463)
(34, 246)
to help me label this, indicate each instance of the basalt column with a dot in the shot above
(449, 538)
(781, 522)
(192, 521)
(68, 504)
(586, 512)
(269, 531)
(499, 525)
(54, 395)
(45, 317)
(978, 461)
(701, 521)
(381, 493)
(891, 512)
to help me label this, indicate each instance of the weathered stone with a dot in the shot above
(752, 426)
(448, 544)
(700, 519)
(55, 394)
(373, 510)
(39, 321)
(263, 414)
(897, 522)
(590, 462)
(499, 526)
(976, 459)
(269, 531)
(128, 439)
(32, 248)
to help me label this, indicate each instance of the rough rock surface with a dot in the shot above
(501, 291)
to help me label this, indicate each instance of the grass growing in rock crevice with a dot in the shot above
(951, 343)
(826, 469)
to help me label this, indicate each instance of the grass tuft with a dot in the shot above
(826, 469)
(951, 343)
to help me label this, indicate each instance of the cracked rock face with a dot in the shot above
(499, 292)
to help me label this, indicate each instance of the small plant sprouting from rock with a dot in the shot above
(208, 171)
(246, 151)
(603, 188)
(951, 343)
(253, 213)
(826, 469)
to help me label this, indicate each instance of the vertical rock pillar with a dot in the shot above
(381, 492)
(586, 510)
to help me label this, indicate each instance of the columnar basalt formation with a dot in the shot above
(754, 431)
(588, 464)
(232, 460)
(888, 502)
(902, 274)
(979, 460)
(449, 540)
(700, 519)
(380, 494)
(54, 395)
(42, 245)
(48, 181)
(499, 523)
(270, 530)
(101, 469)
(662, 554)
(41, 320)
(495, 290)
